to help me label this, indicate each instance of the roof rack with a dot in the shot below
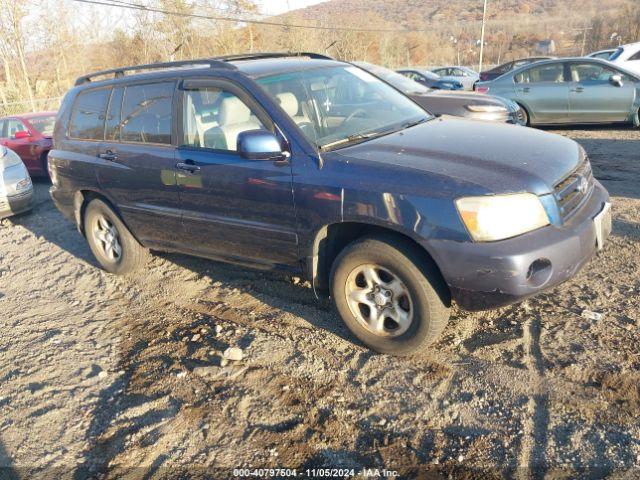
(216, 62)
(119, 72)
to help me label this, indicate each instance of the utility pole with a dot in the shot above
(484, 21)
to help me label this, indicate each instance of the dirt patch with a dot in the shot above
(99, 372)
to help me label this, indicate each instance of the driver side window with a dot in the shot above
(14, 126)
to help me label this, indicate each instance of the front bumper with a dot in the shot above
(15, 204)
(482, 276)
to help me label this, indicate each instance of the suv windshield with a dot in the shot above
(396, 79)
(337, 106)
(44, 124)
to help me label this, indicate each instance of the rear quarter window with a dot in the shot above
(88, 115)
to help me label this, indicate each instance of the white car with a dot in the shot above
(16, 189)
(627, 57)
(464, 75)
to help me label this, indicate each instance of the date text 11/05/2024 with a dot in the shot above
(314, 473)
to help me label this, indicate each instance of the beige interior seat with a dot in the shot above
(291, 106)
(234, 118)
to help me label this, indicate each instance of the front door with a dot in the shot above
(543, 90)
(594, 99)
(234, 208)
(136, 162)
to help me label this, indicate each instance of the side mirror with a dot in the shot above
(616, 80)
(21, 134)
(260, 145)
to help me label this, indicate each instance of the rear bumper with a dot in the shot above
(16, 204)
(482, 276)
(63, 200)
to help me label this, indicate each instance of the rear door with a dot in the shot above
(234, 208)
(137, 161)
(592, 96)
(544, 91)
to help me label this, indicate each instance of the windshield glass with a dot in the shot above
(340, 105)
(616, 54)
(44, 124)
(399, 81)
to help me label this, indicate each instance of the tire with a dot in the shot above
(44, 161)
(113, 246)
(527, 117)
(421, 295)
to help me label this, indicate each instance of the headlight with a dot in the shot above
(487, 108)
(498, 217)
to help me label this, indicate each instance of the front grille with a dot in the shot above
(574, 190)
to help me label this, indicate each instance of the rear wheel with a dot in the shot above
(112, 244)
(389, 296)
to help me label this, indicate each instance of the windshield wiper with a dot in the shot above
(350, 139)
(415, 122)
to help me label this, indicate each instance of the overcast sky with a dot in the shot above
(274, 7)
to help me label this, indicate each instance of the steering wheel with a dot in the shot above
(353, 115)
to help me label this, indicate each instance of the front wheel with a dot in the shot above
(389, 295)
(115, 248)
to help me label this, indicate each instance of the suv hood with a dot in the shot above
(498, 158)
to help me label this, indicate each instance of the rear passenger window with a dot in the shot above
(147, 113)
(548, 73)
(87, 115)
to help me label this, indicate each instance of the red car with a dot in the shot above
(30, 136)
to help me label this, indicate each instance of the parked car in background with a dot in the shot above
(16, 189)
(627, 57)
(474, 106)
(430, 79)
(571, 90)
(30, 136)
(495, 72)
(465, 75)
(602, 54)
(315, 167)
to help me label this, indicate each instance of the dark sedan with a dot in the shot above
(430, 79)
(469, 105)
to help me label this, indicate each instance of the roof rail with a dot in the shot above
(119, 72)
(257, 56)
(216, 62)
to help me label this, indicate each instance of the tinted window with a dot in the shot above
(213, 118)
(548, 73)
(146, 113)
(87, 116)
(112, 129)
(636, 56)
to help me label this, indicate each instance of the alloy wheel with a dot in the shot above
(107, 238)
(379, 300)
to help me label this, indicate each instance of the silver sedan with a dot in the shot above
(16, 189)
(570, 91)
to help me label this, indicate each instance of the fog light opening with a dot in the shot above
(539, 272)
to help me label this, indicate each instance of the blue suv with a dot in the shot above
(314, 167)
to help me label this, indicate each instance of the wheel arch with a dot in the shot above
(331, 239)
(81, 200)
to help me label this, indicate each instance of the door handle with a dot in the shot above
(526, 90)
(188, 166)
(578, 89)
(109, 155)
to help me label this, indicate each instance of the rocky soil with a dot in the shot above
(125, 375)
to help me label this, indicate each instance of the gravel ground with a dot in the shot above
(99, 372)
